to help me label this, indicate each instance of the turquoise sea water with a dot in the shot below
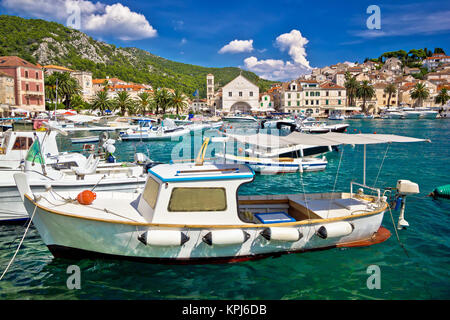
(330, 274)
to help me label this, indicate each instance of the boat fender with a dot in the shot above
(226, 237)
(163, 238)
(336, 229)
(86, 197)
(281, 234)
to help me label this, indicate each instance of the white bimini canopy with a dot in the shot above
(326, 139)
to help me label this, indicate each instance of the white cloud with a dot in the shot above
(183, 41)
(294, 43)
(97, 18)
(237, 46)
(272, 69)
(121, 22)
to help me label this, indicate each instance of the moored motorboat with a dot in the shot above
(192, 213)
(44, 165)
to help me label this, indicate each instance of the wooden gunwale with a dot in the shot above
(206, 226)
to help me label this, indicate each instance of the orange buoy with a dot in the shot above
(240, 150)
(86, 197)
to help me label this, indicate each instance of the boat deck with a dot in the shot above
(124, 209)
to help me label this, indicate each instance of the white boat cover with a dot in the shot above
(81, 118)
(326, 139)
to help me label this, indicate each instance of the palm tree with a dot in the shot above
(351, 86)
(102, 102)
(442, 97)
(77, 103)
(50, 87)
(162, 99)
(390, 90)
(144, 101)
(420, 93)
(365, 92)
(123, 102)
(178, 100)
(67, 87)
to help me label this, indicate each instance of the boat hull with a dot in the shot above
(77, 237)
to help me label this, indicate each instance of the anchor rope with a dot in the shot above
(20, 244)
(396, 233)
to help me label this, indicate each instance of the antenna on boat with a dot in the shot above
(201, 153)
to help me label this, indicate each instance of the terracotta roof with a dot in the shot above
(308, 81)
(331, 85)
(379, 85)
(438, 56)
(13, 61)
(443, 86)
(98, 81)
(52, 66)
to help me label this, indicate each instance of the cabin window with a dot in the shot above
(197, 199)
(22, 143)
(150, 193)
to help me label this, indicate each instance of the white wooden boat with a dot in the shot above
(276, 165)
(336, 116)
(168, 130)
(192, 213)
(85, 139)
(239, 118)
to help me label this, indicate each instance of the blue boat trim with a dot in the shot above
(247, 176)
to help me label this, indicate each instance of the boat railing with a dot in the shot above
(364, 186)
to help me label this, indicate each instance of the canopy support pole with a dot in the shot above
(364, 166)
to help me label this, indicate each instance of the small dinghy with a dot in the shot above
(192, 213)
(85, 139)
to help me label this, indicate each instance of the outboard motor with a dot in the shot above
(404, 188)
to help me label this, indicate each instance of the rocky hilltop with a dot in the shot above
(44, 42)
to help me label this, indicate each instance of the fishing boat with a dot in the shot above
(262, 145)
(263, 162)
(360, 115)
(276, 165)
(410, 113)
(85, 139)
(168, 130)
(14, 147)
(307, 125)
(335, 115)
(44, 165)
(427, 113)
(239, 118)
(192, 213)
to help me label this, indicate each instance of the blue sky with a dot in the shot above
(275, 39)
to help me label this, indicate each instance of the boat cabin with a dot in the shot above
(190, 194)
(15, 144)
(208, 195)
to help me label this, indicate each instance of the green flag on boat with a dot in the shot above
(34, 153)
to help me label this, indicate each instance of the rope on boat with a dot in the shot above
(381, 166)
(335, 180)
(396, 233)
(20, 244)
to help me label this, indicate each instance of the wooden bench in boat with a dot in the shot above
(330, 208)
(299, 209)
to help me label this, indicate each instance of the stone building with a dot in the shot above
(28, 82)
(7, 90)
(240, 95)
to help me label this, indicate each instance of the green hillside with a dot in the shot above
(44, 42)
